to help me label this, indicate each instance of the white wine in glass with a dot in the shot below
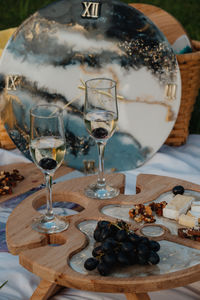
(101, 116)
(47, 148)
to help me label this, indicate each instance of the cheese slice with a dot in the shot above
(189, 221)
(177, 206)
(170, 213)
(194, 214)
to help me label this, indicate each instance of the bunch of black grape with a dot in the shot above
(118, 246)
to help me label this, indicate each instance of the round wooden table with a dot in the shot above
(49, 256)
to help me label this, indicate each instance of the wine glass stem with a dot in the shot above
(49, 213)
(101, 180)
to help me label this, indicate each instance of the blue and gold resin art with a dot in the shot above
(58, 48)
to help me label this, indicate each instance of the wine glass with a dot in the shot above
(100, 116)
(47, 148)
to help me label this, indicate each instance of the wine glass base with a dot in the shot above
(45, 225)
(106, 192)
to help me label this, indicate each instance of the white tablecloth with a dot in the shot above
(180, 162)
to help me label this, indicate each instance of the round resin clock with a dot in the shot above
(57, 49)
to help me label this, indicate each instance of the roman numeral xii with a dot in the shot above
(91, 9)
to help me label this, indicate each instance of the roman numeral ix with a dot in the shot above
(11, 82)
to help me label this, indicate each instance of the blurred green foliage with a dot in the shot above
(14, 12)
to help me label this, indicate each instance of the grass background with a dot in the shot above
(14, 12)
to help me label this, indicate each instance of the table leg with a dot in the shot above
(138, 296)
(44, 290)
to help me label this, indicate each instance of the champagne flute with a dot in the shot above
(100, 116)
(47, 148)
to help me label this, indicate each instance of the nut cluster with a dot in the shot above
(158, 207)
(9, 180)
(141, 213)
(144, 213)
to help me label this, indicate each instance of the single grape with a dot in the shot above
(97, 251)
(109, 259)
(134, 238)
(103, 269)
(143, 250)
(127, 246)
(132, 257)
(121, 235)
(142, 260)
(112, 241)
(154, 258)
(97, 235)
(113, 230)
(102, 224)
(107, 246)
(91, 263)
(144, 240)
(178, 189)
(155, 246)
(100, 133)
(47, 163)
(105, 233)
(122, 258)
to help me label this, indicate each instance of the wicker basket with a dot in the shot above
(5, 140)
(189, 65)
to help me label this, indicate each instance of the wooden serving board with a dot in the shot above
(38, 255)
(33, 177)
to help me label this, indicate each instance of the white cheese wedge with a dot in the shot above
(195, 207)
(177, 206)
(170, 213)
(194, 214)
(189, 221)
